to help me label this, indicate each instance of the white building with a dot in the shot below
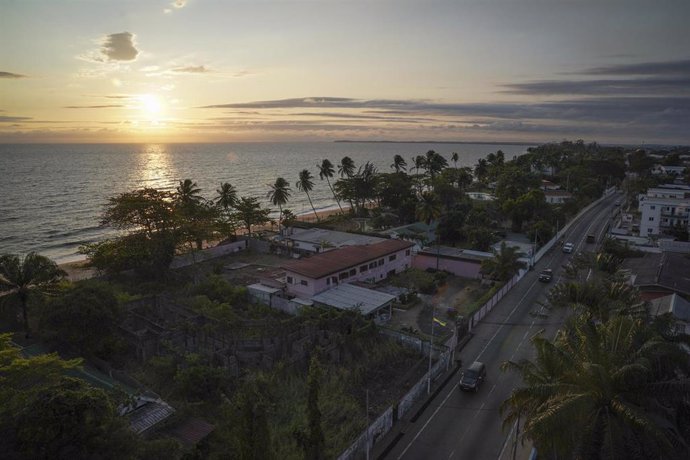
(660, 214)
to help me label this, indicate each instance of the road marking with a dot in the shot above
(505, 443)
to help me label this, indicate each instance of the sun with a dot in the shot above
(150, 104)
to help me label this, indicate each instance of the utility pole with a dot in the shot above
(431, 347)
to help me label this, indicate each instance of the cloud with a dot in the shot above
(118, 47)
(11, 75)
(8, 119)
(677, 67)
(192, 69)
(106, 106)
(637, 86)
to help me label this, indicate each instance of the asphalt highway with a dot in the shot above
(459, 425)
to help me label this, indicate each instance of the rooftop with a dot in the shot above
(320, 265)
(667, 270)
(674, 304)
(320, 236)
(350, 297)
(557, 193)
(448, 252)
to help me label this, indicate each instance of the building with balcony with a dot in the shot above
(663, 208)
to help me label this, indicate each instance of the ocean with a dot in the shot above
(52, 195)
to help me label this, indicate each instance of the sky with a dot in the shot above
(259, 70)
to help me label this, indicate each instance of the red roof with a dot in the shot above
(324, 264)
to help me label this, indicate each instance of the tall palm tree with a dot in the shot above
(399, 164)
(226, 196)
(603, 391)
(346, 168)
(504, 264)
(279, 195)
(34, 274)
(429, 210)
(327, 171)
(306, 184)
(188, 193)
(481, 169)
(454, 156)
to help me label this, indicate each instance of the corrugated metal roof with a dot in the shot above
(320, 265)
(350, 297)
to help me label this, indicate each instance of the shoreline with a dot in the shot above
(78, 270)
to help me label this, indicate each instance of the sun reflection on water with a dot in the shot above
(155, 169)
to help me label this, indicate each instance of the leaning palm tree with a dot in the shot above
(346, 168)
(226, 197)
(35, 274)
(399, 164)
(603, 391)
(504, 264)
(454, 157)
(279, 195)
(327, 171)
(306, 184)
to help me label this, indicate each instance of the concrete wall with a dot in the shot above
(376, 270)
(462, 268)
(185, 260)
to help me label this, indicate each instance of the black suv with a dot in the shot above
(473, 377)
(546, 275)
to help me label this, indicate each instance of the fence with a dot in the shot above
(384, 423)
(491, 303)
(207, 254)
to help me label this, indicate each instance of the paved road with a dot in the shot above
(459, 425)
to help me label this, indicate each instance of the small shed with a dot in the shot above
(370, 303)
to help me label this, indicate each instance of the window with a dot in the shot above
(289, 279)
(363, 268)
(652, 207)
(651, 219)
(334, 279)
(649, 230)
(372, 265)
(392, 258)
(380, 262)
(343, 275)
(328, 281)
(304, 283)
(407, 253)
(353, 272)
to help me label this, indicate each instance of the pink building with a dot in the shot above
(373, 262)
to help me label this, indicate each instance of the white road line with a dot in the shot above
(505, 443)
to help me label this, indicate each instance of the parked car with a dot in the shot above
(617, 203)
(473, 377)
(568, 247)
(546, 275)
(591, 238)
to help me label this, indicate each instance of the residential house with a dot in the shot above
(557, 196)
(676, 306)
(660, 274)
(370, 263)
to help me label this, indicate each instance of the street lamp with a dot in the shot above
(431, 347)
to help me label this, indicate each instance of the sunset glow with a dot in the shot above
(494, 70)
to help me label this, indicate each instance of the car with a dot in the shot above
(591, 238)
(473, 377)
(568, 248)
(617, 203)
(546, 275)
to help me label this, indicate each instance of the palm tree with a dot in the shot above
(34, 274)
(346, 168)
(454, 156)
(428, 210)
(399, 164)
(504, 264)
(279, 195)
(226, 196)
(327, 171)
(306, 184)
(603, 391)
(188, 193)
(481, 170)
